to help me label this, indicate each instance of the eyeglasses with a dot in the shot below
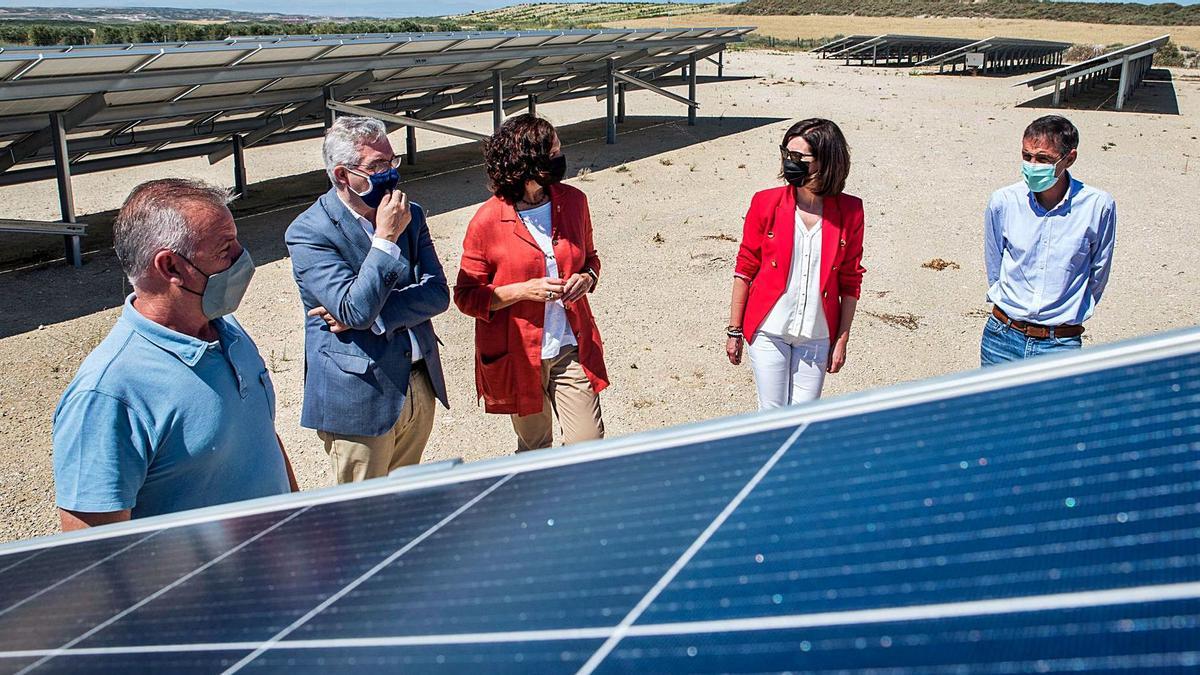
(1040, 159)
(380, 166)
(797, 157)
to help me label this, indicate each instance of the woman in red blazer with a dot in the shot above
(799, 271)
(528, 264)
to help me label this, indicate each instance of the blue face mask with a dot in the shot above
(381, 184)
(1039, 177)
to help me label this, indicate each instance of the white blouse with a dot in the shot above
(799, 313)
(556, 330)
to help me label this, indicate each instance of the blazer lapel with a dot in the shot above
(347, 224)
(831, 237)
(508, 212)
(785, 231)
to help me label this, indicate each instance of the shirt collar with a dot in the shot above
(186, 348)
(1063, 206)
(366, 224)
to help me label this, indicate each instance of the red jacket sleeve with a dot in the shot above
(474, 288)
(850, 273)
(749, 256)
(591, 258)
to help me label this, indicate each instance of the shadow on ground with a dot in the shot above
(445, 179)
(1156, 95)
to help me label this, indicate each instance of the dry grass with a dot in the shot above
(939, 264)
(809, 27)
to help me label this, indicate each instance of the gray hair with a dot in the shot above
(153, 219)
(345, 139)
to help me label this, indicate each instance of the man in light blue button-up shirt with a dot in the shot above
(175, 409)
(1048, 246)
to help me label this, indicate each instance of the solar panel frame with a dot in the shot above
(1130, 62)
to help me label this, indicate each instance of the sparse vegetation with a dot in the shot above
(578, 15)
(1129, 13)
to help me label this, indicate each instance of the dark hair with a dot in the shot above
(1056, 129)
(517, 152)
(829, 147)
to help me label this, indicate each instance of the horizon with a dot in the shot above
(350, 8)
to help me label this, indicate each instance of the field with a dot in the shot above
(556, 15)
(667, 202)
(814, 27)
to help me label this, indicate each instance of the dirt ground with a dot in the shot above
(667, 201)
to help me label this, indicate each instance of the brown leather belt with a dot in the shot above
(1033, 330)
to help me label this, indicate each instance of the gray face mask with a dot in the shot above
(225, 289)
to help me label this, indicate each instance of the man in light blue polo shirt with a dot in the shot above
(175, 409)
(1048, 247)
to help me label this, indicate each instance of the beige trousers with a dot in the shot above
(355, 458)
(566, 394)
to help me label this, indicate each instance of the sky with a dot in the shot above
(377, 8)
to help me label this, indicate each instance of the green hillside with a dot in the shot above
(1129, 13)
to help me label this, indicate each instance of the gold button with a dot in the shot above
(770, 234)
(843, 242)
(773, 264)
(825, 294)
(835, 268)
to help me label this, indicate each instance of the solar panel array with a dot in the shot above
(998, 53)
(1127, 67)
(1001, 53)
(1040, 517)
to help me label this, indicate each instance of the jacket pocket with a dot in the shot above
(349, 363)
(496, 377)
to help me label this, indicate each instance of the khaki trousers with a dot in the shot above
(355, 458)
(567, 394)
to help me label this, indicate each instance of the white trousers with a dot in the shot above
(787, 371)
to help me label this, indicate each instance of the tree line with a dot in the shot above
(65, 33)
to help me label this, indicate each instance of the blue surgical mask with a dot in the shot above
(1039, 177)
(225, 289)
(381, 184)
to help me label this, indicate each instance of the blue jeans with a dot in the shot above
(1001, 344)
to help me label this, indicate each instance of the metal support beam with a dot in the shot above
(620, 103)
(410, 142)
(721, 62)
(26, 147)
(66, 196)
(239, 166)
(692, 92)
(691, 102)
(497, 100)
(1123, 86)
(611, 101)
(405, 121)
(533, 104)
(327, 95)
(473, 92)
(590, 76)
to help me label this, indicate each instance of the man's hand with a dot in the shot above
(546, 289)
(335, 326)
(393, 216)
(576, 287)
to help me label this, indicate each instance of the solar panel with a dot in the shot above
(1038, 517)
(1009, 52)
(1127, 65)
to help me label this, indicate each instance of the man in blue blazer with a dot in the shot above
(370, 281)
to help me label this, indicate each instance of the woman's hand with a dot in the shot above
(546, 289)
(733, 349)
(576, 286)
(837, 355)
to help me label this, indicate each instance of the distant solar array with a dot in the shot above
(66, 110)
(990, 55)
(1125, 67)
(1038, 517)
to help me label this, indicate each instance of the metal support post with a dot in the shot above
(533, 104)
(1121, 87)
(692, 90)
(66, 196)
(497, 100)
(721, 63)
(611, 103)
(329, 112)
(410, 142)
(239, 165)
(621, 103)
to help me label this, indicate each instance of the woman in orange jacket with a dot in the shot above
(528, 264)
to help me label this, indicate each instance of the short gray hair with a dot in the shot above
(345, 139)
(153, 219)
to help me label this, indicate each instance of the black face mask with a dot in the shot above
(795, 173)
(556, 170)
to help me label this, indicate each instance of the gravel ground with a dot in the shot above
(667, 203)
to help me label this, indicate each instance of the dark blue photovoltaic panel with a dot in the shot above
(72, 608)
(25, 573)
(543, 658)
(572, 546)
(168, 663)
(1159, 638)
(1069, 485)
(288, 571)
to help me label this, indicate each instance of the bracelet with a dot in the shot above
(734, 332)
